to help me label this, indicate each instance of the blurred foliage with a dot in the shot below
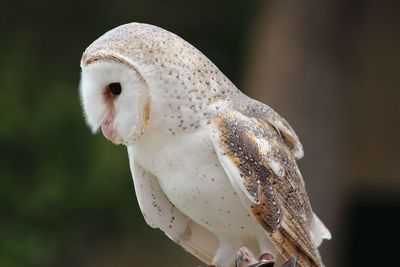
(56, 179)
(64, 191)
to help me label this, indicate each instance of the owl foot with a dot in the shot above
(244, 258)
(267, 257)
(266, 260)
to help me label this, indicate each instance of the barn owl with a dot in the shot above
(212, 168)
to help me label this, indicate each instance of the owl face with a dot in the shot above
(115, 98)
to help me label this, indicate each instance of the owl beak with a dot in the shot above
(111, 134)
(108, 132)
(108, 129)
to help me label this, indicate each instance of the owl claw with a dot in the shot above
(244, 258)
(267, 257)
(266, 260)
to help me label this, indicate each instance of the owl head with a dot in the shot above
(114, 92)
(115, 97)
(137, 70)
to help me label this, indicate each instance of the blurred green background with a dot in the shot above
(330, 67)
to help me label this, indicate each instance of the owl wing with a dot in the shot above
(258, 150)
(160, 213)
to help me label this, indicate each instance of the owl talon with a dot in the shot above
(267, 257)
(244, 258)
(266, 260)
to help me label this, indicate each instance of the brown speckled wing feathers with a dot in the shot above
(260, 161)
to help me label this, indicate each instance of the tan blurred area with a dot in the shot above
(331, 68)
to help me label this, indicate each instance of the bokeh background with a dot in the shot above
(331, 68)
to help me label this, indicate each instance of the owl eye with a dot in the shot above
(115, 88)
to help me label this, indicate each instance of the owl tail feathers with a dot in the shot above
(319, 231)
